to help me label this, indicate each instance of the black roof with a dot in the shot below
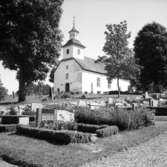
(74, 30)
(74, 42)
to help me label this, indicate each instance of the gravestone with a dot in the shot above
(34, 106)
(38, 117)
(63, 115)
(110, 101)
(82, 103)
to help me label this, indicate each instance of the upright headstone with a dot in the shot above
(38, 117)
(55, 117)
(155, 103)
(146, 96)
(34, 106)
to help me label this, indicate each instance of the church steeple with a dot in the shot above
(73, 32)
(73, 47)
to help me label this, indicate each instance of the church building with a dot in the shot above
(80, 74)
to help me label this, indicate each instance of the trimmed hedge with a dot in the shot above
(161, 111)
(60, 125)
(7, 127)
(107, 131)
(11, 119)
(56, 137)
(90, 128)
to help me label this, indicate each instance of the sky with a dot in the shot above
(91, 16)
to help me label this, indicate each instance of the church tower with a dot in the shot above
(73, 47)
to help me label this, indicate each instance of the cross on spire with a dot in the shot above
(73, 21)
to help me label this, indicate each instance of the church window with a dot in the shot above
(78, 51)
(67, 51)
(66, 67)
(98, 82)
(67, 75)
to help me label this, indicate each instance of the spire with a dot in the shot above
(73, 32)
(74, 22)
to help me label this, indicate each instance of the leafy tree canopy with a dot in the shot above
(119, 60)
(30, 39)
(150, 48)
(53, 69)
(3, 91)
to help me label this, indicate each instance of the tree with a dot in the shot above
(52, 72)
(150, 49)
(3, 91)
(38, 89)
(119, 60)
(30, 38)
(51, 79)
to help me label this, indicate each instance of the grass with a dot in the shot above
(27, 152)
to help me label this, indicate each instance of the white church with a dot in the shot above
(80, 74)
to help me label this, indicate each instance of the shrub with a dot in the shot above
(82, 97)
(57, 137)
(46, 124)
(12, 110)
(132, 119)
(123, 118)
(66, 95)
(99, 117)
(90, 128)
(107, 131)
(7, 127)
(60, 125)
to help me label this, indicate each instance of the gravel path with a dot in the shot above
(152, 153)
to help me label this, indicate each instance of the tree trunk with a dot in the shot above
(118, 87)
(22, 90)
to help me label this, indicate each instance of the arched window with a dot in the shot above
(67, 51)
(67, 75)
(98, 82)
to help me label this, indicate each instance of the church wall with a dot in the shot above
(74, 78)
(89, 83)
(65, 55)
(75, 53)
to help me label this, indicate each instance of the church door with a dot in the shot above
(67, 87)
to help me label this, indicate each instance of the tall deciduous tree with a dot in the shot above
(119, 60)
(150, 48)
(3, 91)
(30, 39)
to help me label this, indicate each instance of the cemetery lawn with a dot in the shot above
(25, 151)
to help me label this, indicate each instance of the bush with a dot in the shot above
(12, 110)
(123, 118)
(46, 124)
(7, 127)
(98, 117)
(57, 137)
(60, 125)
(107, 131)
(90, 128)
(133, 119)
(66, 95)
